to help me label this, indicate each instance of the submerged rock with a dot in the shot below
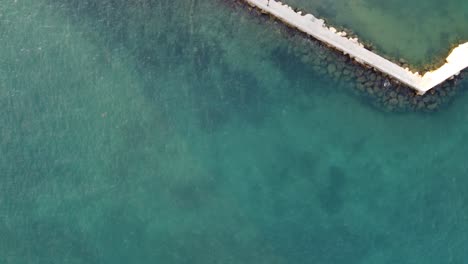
(433, 106)
(331, 69)
(393, 101)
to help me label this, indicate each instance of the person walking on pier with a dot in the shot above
(268, 2)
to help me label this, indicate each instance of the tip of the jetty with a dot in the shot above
(309, 24)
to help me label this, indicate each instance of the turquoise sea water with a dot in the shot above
(178, 132)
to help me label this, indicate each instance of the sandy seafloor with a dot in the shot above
(173, 132)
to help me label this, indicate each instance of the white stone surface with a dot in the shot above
(456, 61)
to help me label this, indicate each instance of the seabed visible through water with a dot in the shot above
(202, 132)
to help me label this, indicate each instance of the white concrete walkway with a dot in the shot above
(456, 61)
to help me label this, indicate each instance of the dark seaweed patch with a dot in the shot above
(331, 197)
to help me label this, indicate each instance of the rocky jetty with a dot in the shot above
(385, 92)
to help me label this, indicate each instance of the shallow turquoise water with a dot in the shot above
(176, 132)
(421, 32)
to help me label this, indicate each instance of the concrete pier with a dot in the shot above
(456, 61)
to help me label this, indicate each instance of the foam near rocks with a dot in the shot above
(309, 24)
